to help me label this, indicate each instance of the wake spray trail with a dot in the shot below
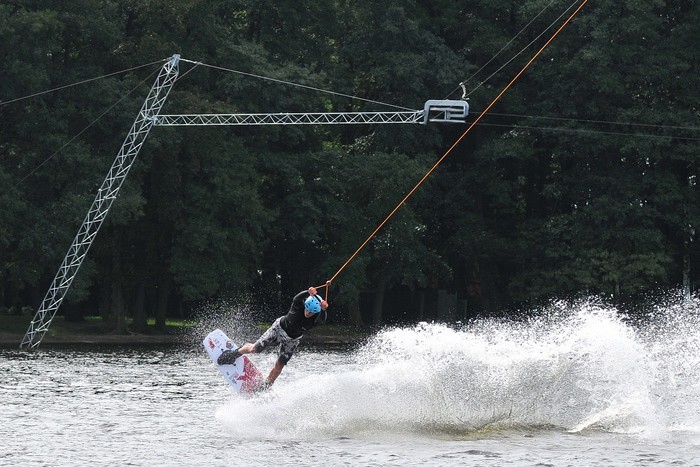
(578, 366)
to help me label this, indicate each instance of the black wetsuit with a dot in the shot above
(295, 323)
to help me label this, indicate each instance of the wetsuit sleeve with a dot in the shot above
(300, 297)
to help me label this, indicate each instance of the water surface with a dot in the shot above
(580, 385)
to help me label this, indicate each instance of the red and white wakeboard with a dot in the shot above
(242, 374)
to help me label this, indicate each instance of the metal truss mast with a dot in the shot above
(103, 201)
(434, 111)
(445, 111)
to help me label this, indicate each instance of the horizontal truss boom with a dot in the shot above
(445, 111)
(327, 118)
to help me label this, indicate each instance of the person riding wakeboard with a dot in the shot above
(307, 310)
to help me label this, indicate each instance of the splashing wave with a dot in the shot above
(575, 366)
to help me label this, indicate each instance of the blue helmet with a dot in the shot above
(313, 304)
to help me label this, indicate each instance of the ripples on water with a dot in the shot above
(578, 385)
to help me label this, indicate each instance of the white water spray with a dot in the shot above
(575, 367)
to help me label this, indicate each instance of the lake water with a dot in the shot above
(580, 386)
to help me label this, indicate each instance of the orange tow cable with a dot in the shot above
(454, 145)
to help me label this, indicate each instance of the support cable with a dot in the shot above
(454, 145)
(303, 86)
(290, 83)
(87, 127)
(590, 132)
(463, 83)
(601, 122)
(104, 198)
(521, 51)
(78, 83)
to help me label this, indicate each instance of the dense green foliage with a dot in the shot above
(524, 210)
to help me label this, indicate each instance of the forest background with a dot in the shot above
(582, 182)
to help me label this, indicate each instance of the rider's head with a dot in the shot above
(312, 304)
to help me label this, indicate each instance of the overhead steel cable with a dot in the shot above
(646, 126)
(78, 83)
(601, 122)
(502, 49)
(591, 132)
(86, 128)
(454, 145)
(303, 86)
(522, 50)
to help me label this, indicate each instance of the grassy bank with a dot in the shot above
(93, 329)
(18, 324)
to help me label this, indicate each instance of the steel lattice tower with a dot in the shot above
(103, 201)
(444, 111)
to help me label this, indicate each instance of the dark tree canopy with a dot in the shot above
(582, 181)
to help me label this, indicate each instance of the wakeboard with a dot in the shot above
(242, 374)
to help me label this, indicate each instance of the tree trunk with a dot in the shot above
(378, 307)
(162, 310)
(355, 315)
(421, 304)
(139, 324)
(118, 307)
(105, 301)
(687, 285)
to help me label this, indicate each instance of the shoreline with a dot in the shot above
(13, 340)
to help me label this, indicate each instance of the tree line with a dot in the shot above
(582, 181)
